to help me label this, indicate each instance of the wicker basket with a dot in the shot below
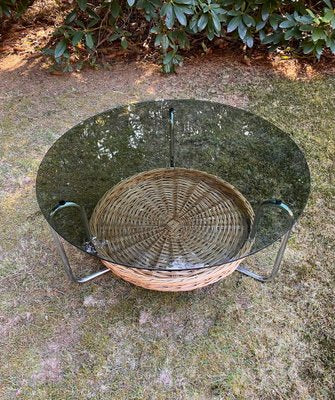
(177, 226)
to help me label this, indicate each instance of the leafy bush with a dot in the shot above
(12, 8)
(172, 26)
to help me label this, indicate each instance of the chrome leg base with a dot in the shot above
(276, 265)
(67, 266)
(246, 271)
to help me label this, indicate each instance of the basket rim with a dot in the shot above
(241, 253)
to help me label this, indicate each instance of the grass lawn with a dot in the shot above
(237, 339)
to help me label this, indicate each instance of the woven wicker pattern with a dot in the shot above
(172, 219)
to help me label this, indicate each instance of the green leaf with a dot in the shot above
(233, 24)
(277, 37)
(169, 20)
(158, 40)
(328, 3)
(303, 19)
(180, 15)
(261, 35)
(164, 42)
(115, 8)
(184, 1)
(290, 33)
(186, 10)
(260, 25)
(183, 40)
(193, 24)
(48, 52)
(287, 24)
(131, 2)
(219, 10)
(249, 20)
(177, 59)
(328, 16)
(331, 45)
(238, 4)
(265, 12)
(210, 35)
(317, 34)
(268, 39)
(6, 10)
(305, 28)
(71, 17)
(310, 13)
(167, 68)
(60, 48)
(216, 22)
(163, 10)
(66, 54)
(242, 30)
(202, 22)
(77, 38)
(233, 13)
(124, 43)
(168, 58)
(249, 41)
(319, 50)
(274, 21)
(82, 4)
(92, 14)
(113, 37)
(92, 23)
(79, 23)
(308, 47)
(89, 40)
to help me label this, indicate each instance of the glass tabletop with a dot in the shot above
(261, 161)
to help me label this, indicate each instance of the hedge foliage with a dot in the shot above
(13, 8)
(173, 25)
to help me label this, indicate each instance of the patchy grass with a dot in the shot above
(110, 340)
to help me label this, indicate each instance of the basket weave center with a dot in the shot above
(171, 218)
(173, 225)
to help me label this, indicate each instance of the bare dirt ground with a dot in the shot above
(237, 339)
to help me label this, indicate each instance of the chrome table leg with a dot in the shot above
(283, 244)
(276, 265)
(67, 266)
(60, 206)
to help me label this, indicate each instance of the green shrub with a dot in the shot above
(12, 8)
(172, 26)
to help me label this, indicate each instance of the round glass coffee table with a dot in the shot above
(173, 195)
